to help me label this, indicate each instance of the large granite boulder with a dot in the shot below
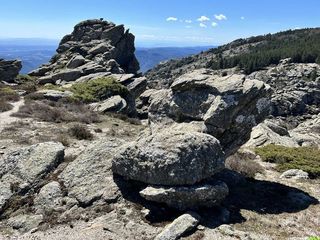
(9, 70)
(170, 158)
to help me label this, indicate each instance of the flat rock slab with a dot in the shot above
(89, 176)
(112, 104)
(178, 227)
(170, 158)
(183, 198)
(32, 162)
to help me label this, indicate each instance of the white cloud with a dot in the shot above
(203, 19)
(203, 25)
(220, 17)
(172, 19)
(214, 24)
(188, 21)
(242, 18)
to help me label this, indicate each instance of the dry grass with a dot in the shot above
(57, 112)
(8, 94)
(80, 132)
(244, 164)
(123, 117)
(5, 106)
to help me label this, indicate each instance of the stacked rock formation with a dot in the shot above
(9, 70)
(194, 125)
(94, 48)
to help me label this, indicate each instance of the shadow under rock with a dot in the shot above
(263, 197)
(158, 213)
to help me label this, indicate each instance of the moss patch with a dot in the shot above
(98, 90)
(304, 158)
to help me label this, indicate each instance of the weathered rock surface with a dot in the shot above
(25, 222)
(203, 195)
(89, 177)
(271, 131)
(24, 167)
(30, 163)
(170, 158)
(295, 93)
(49, 197)
(228, 106)
(9, 70)
(178, 227)
(280, 132)
(113, 104)
(55, 95)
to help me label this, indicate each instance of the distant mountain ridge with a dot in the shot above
(150, 57)
(36, 51)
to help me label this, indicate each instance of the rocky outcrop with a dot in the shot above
(94, 46)
(225, 107)
(281, 131)
(296, 88)
(9, 70)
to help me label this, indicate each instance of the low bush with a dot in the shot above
(304, 158)
(8, 94)
(57, 112)
(98, 89)
(5, 106)
(80, 132)
(243, 163)
(64, 140)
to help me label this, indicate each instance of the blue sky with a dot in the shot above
(160, 22)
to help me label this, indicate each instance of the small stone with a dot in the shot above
(295, 174)
(178, 227)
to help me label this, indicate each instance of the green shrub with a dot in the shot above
(304, 158)
(98, 89)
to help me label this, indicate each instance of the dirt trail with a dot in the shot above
(6, 118)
